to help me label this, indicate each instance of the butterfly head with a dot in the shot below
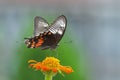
(28, 42)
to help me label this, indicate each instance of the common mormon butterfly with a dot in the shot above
(47, 36)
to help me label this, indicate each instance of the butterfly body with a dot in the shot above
(45, 36)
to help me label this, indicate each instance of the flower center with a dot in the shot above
(51, 62)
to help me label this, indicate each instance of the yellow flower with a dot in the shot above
(50, 64)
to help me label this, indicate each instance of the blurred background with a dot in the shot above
(91, 44)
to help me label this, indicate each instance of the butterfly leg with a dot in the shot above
(45, 47)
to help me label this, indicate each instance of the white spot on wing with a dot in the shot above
(43, 24)
(60, 32)
(62, 24)
(37, 34)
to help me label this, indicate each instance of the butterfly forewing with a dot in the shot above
(58, 27)
(40, 25)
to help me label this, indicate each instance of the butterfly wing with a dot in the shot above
(58, 28)
(40, 25)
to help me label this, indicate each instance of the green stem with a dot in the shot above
(48, 77)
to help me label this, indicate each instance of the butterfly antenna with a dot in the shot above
(19, 42)
(26, 38)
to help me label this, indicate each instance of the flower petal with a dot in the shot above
(66, 69)
(32, 61)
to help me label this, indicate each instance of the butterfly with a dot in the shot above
(47, 36)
